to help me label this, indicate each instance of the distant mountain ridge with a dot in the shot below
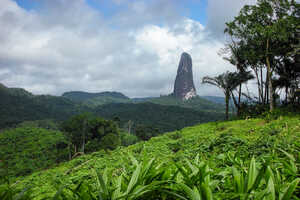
(98, 99)
(18, 105)
(165, 113)
(196, 103)
(15, 91)
(80, 96)
(221, 100)
(215, 99)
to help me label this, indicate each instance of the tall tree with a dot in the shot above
(87, 132)
(264, 28)
(227, 82)
(242, 77)
(234, 54)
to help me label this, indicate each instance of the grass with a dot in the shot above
(243, 159)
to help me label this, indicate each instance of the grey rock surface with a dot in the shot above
(184, 85)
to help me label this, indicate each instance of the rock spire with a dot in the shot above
(184, 85)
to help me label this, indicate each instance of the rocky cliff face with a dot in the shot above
(184, 85)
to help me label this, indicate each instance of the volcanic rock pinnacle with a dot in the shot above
(184, 85)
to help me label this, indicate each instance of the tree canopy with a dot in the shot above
(264, 38)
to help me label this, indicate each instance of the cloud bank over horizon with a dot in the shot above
(71, 45)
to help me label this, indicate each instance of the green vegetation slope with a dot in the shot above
(102, 98)
(27, 149)
(164, 113)
(195, 103)
(96, 99)
(219, 152)
(162, 117)
(18, 105)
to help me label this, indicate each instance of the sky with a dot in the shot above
(129, 46)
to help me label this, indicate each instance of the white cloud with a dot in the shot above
(46, 52)
(221, 11)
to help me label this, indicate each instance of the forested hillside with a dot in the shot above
(164, 118)
(254, 158)
(27, 149)
(97, 99)
(164, 114)
(195, 103)
(18, 105)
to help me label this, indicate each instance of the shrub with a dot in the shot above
(146, 132)
(128, 139)
(175, 135)
(110, 141)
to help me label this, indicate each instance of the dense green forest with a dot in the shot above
(165, 114)
(164, 118)
(195, 103)
(97, 99)
(27, 149)
(18, 105)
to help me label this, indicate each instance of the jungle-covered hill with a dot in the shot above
(254, 158)
(18, 105)
(165, 113)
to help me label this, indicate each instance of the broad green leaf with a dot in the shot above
(288, 192)
(117, 192)
(252, 174)
(206, 191)
(133, 160)
(134, 179)
(194, 169)
(192, 194)
(290, 156)
(271, 189)
(174, 194)
(147, 167)
(237, 179)
(101, 184)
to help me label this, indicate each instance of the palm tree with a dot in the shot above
(235, 55)
(242, 77)
(227, 82)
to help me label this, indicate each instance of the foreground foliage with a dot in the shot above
(246, 159)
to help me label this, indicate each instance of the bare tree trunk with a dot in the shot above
(266, 98)
(70, 154)
(262, 85)
(258, 86)
(83, 136)
(130, 123)
(227, 104)
(83, 146)
(239, 101)
(269, 73)
(235, 103)
(286, 94)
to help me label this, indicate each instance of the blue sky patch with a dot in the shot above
(195, 9)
